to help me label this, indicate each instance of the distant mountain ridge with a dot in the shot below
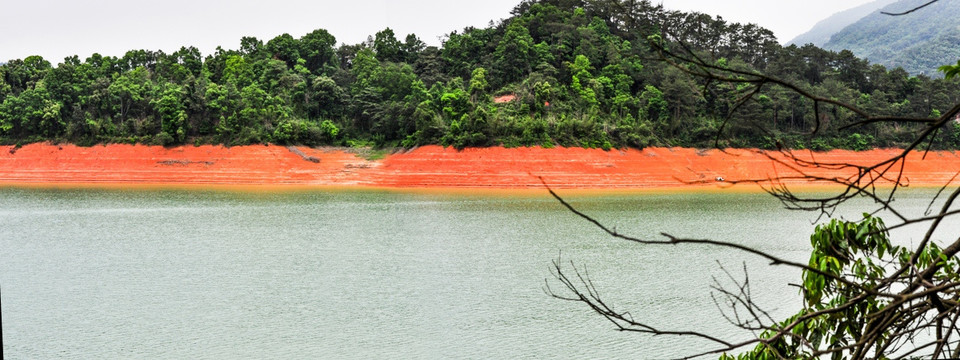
(821, 32)
(919, 42)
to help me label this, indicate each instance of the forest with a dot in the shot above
(582, 73)
(920, 43)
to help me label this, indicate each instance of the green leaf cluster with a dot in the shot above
(842, 290)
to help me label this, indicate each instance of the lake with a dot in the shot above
(97, 273)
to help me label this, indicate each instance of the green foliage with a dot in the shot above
(847, 257)
(859, 142)
(583, 83)
(128, 94)
(31, 112)
(172, 113)
(454, 101)
(950, 71)
(317, 49)
(20, 75)
(919, 43)
(842, 246)
(478, 83)
(655, 109)
(844, 253)
(515, 53)
(365, 64)
(305, 132)
(574, 70)
(387, 47)
(285, 48)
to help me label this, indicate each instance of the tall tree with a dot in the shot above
(515, 54)
(285, 48)
(387, 47)
(317, 48)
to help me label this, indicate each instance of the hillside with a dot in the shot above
(821, 32)
(919, 42)
(581, 73)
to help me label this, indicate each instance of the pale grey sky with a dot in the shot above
(58, 28)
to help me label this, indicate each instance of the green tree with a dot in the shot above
(455, 102)
(365, 65)
(463, 52)
(429, 66)
(478, 85)
(317, 48)
(387, 47)
(31, 114)
(138, 59)
(237, 71)
(327, 99)
(5, 88)
(251, 47)
(69, 83)
(411, 48)
(285, 48)
(129, 97)
(390, 99)
(24, 74)
(172, 113)
(655, 109)
(583, 82)
(515, 53)
(223, 103)
(257, 114)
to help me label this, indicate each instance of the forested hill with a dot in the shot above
(920, 42)
(582, 73)
(821, 32)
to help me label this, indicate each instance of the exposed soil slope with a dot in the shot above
(426, 167)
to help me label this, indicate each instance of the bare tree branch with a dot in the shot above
(911, 10)
(885, 296)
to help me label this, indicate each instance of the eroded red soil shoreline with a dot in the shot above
(432, 166)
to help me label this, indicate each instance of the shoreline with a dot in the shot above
(434, 168)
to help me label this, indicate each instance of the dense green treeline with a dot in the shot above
(582, 72)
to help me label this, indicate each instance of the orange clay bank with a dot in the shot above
(437, 167)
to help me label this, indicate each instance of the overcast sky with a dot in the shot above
(58, 28)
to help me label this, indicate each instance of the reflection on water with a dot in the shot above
(207, 274)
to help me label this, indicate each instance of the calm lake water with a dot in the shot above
(356, 275)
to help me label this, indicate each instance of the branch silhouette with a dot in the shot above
(864, 297)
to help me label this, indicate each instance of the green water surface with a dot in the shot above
(181, 274)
